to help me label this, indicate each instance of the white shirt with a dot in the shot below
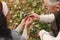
(44, 35)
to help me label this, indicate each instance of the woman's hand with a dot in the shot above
(23, 22)
(28, 22)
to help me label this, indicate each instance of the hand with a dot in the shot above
(28, 22)
(34, 16)
(23, 21)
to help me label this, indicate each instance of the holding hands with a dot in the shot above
(27, 21)
(35, 16)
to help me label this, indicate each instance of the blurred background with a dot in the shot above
(19, 9)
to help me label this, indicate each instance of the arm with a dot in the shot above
(16, 35)
(43, 18)
(27, 24)
(47, 18)
(25, 35)
(44, 35)
(18, 29)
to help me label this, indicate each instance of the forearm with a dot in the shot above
(25, 35)
(18, 29)
(44, 35)
(47, 18)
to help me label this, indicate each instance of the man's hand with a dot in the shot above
(34, 16)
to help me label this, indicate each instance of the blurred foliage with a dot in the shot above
(19, 9)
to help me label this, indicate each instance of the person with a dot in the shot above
(54, 7)
(5, 32)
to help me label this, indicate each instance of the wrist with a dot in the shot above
(38, 17)
(26, 27)
(22, 24)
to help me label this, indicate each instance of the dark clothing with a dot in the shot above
(56, 24)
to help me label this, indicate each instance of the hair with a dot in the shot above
(5, 32)
(53, 2)
(58, 21)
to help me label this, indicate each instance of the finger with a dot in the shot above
(25, 18)
(31, 15)
(30, 20)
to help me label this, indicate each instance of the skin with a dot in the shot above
(7, 17)
(26, 23)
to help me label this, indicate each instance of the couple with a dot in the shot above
(52, 5)
(54, 19)
(5, 32)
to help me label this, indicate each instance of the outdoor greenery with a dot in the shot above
(19, 9)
